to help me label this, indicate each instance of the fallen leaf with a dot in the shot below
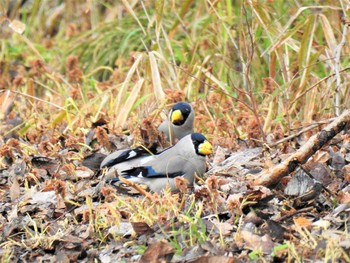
(181, 183)
(220, 155)
(141, 228)
(157, 252)
(325, 224)
(122, 229)
(234, 201)
(224, 228)
(255, 242)
(344, 197)
(321, 157)
(15, 191)
(302, 222)
(299, 184)
(84, 172)
(44, 197)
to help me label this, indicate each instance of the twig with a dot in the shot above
(35, 98)
(337, 64)
(136, 186)
(316, 84)
(312, 126)
(303, 210)
(209, 75)
(246, 73)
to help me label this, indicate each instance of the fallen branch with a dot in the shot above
(274, 174)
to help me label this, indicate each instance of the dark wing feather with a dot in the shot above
(149, 172)
(129, 155)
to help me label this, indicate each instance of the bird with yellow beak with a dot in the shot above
(186, 158)
(180, 122)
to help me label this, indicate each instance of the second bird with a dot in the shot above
(180, 122)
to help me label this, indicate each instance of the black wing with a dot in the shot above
(149, 172)
(131, 154)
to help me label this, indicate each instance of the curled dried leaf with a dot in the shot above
(212, 183)
(182, 184)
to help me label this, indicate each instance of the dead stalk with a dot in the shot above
(337, 65)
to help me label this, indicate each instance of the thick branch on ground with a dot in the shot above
(273, 175)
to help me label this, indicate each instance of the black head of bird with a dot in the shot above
(180, 113)
(180, 122)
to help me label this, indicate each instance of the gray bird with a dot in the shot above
(181, 118)
(179, 123)
(185, 158)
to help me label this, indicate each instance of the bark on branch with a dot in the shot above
(274, 174)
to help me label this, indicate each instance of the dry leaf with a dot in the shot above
(325, 224)
(234, 201)
(256, 242)
(344, 197)
(122, 229)
(302, 222)
(141, 228)
(321, 157)
(44, 197)
(220, 155)
(181, 183)
(15, 191)
(84, 172)
(224, 228)
(158, 252)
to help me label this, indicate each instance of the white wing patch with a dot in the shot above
(132, 154)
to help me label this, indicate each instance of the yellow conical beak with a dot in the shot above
(176, 116)
(205, 148)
